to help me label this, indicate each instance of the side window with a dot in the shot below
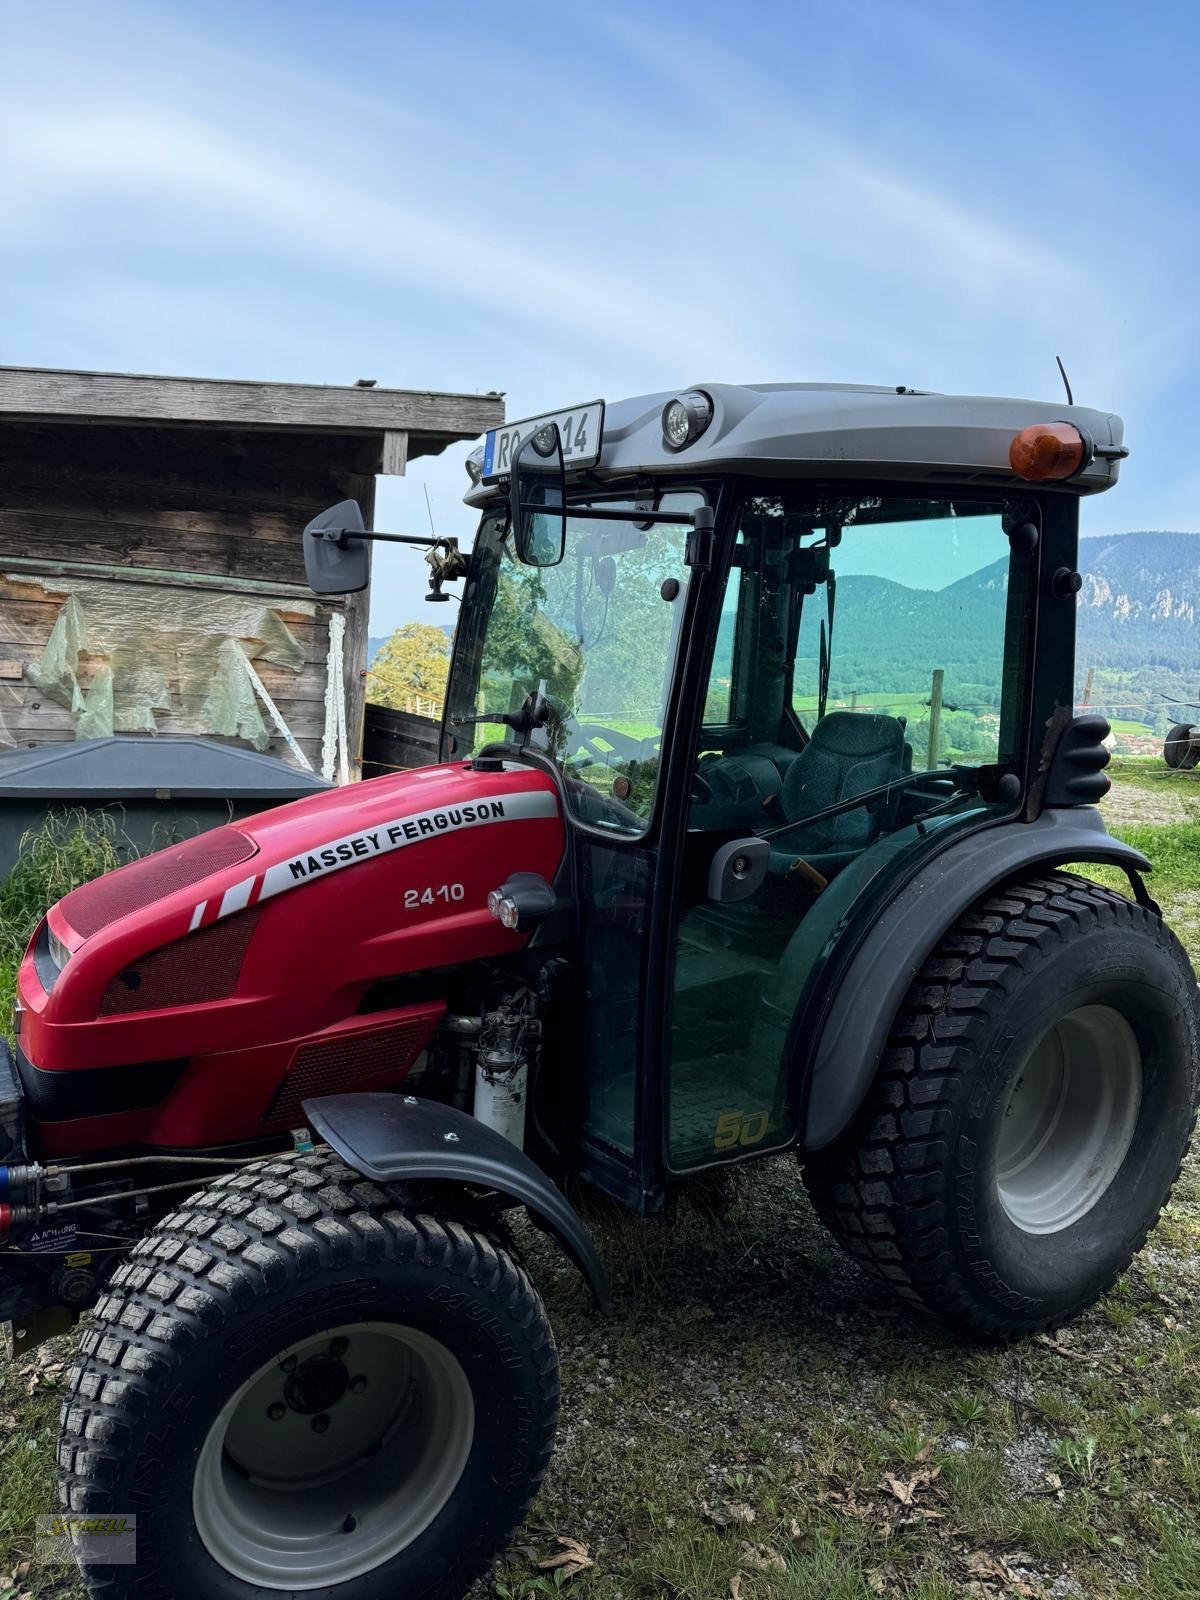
(918, 631)
(718, 703)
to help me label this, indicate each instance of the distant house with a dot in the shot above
(151, 570)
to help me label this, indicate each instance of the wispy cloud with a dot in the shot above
(568, 206)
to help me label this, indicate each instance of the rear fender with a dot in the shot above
(858, 1014)
(394, 1138)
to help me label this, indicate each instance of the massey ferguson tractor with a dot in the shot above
(757, 828)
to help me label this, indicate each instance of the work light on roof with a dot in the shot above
(685, 418)
(1048, 451)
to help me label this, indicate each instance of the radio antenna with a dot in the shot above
(1065, 379)
(429, 508)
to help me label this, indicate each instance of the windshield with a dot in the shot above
(596, 636)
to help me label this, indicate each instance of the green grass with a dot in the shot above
(1151, 772)
(1174, 850)
(69, 848)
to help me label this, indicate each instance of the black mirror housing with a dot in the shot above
(538, 493)
(336, 559)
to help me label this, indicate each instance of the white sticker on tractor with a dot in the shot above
(385, 837)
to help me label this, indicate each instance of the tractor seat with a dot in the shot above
(848, 753)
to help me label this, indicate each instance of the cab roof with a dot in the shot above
(842, 430)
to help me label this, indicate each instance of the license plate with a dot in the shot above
(580, 429)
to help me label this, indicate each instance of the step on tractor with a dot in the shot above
(762, 823)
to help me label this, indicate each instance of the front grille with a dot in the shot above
(201, 966)
(103, 901)
(331, 1065)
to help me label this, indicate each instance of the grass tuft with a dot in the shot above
(70, 848)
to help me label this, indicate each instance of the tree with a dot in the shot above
(413, 663)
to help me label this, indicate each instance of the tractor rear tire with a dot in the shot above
(297, 1386)
(1030, 1114)
(1179, 749)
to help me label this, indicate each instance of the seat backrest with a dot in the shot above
(848, 753)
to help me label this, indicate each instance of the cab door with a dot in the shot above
(840, 740)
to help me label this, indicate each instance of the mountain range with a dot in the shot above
(1137, 638)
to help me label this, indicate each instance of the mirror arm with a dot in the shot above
(339, 536)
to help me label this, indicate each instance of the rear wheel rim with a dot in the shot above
(1069, 1120)
(333, 1457)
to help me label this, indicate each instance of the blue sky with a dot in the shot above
(570, 201)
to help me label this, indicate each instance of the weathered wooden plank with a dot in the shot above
(25, 625)
(395, 454)
(45, 537)
(30, 392)
(306, 719)
(75, 571)
(92, 519)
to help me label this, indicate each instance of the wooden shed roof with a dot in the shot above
(432, 420)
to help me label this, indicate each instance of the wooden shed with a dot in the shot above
(151, 571)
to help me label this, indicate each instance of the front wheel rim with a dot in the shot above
(333, 1457)
(1069, 1120)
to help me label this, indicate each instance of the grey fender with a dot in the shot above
(393, 1138)
(858, 1014)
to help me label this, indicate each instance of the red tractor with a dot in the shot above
(751, 833)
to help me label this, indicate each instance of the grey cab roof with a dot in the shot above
(843, 430)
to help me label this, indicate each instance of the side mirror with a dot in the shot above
(336, 561)
(538, 494)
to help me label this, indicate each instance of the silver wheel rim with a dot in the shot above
(333, 1457)
(1069, 1120)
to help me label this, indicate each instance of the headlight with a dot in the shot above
(505, 911)
(58, 952)
(685, 418)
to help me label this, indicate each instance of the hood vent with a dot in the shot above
(105, 900)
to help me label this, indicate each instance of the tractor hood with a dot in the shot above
(288, 917)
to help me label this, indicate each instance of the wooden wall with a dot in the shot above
(180, 511)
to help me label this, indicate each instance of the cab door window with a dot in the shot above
(870, 695)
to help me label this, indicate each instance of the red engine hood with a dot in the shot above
(294, 913)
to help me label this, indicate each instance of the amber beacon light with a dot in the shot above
(1048, 450)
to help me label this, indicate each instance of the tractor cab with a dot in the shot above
(776, 646)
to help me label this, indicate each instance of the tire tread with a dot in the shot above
(248, 1236)
(877, 1188)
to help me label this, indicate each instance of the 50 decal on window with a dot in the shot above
(445, 892)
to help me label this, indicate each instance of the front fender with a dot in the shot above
(858, 1013)
(393, 1138)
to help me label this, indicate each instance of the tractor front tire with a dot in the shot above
(298, 1386)
(1031, 1112)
